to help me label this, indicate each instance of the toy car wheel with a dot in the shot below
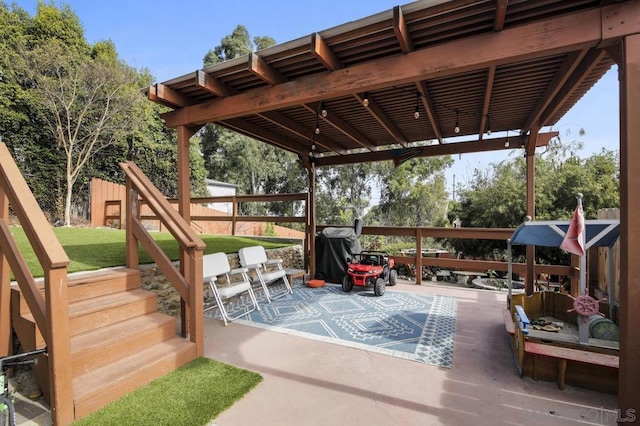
(347, 283)
(379, 287)
(393, 277)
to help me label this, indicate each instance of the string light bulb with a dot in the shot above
(489, 125)
(317, 129)
(416, 114)
(323, 110)
(456, 129)
(365, 99)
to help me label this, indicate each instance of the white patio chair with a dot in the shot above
(215, 266)
(267, 271)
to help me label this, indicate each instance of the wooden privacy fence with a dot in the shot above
(108, 206)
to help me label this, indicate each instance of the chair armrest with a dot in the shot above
(211, 278)
(238, 271)
(254, 266)
(272, 261)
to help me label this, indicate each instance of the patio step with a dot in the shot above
(96, 388)
(119, 341)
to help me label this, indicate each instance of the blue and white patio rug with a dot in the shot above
(405, 325)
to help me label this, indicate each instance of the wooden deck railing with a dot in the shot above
(50, 312)
(187, 281)
(501, 234)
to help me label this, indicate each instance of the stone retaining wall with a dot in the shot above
(153, 279)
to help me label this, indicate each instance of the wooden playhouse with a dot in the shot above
(559, 337)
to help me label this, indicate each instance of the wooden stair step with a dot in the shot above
(90, 314)
(98, 347)
(97, 388)
(101, 311)
(85, 285)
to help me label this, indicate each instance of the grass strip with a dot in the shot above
(191, 395)
(95, 248)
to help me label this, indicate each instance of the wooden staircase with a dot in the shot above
(119, 341)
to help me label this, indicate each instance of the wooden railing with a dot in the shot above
(501, 234)
(50, 312)
(187, 281)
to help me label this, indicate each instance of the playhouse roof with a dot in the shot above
(599, 233)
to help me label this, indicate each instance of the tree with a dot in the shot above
(90, 102)
(256, 167)
(497, 198)
(414, 193)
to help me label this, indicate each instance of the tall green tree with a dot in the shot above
(90, 102)
(496, 198)
(256, 167)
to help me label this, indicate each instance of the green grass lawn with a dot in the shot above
(95, 248)
(191, 395)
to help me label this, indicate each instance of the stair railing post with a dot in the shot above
(193, 275)
(132, 210)
(5, 286)
(59, 347)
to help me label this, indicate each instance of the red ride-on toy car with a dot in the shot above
(370, 268)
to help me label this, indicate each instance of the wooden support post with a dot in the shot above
(312, 219)
(193, 275)
(5, 286)
(234, 216)
(629, 376)
(531, 206)
(59, 347)
(184, 207)
(418, 256)
(132, 210)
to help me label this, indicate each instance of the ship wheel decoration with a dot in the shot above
(585, 306)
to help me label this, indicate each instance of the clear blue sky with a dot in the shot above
(171, 37)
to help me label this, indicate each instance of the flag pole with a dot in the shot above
(583, 326)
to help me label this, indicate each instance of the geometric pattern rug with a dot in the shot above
(412, 326)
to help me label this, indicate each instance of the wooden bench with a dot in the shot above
(563, 355)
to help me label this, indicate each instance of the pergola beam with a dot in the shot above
(321, 50)
(292, 126)
(342, 126)
(212, 85)
(501, 14)
(264, 71)
(263, 135)
(383, 119)
(401, 31)
(569, 65)
(169, 97)
(491, 75)
(428, 107)
(558, 35)
(434, 150)
(590, 60)
(323, 53)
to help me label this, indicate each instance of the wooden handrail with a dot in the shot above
(161, 259)
(187, 282)
(158, 203)
(36, 227)
(25, 280)
(50, 313)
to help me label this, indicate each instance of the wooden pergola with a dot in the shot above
(466, 67)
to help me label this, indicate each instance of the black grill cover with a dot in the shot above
(334, 248)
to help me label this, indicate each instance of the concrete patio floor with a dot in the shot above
(307, 382)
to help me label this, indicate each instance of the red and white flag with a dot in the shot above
(573, 241)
